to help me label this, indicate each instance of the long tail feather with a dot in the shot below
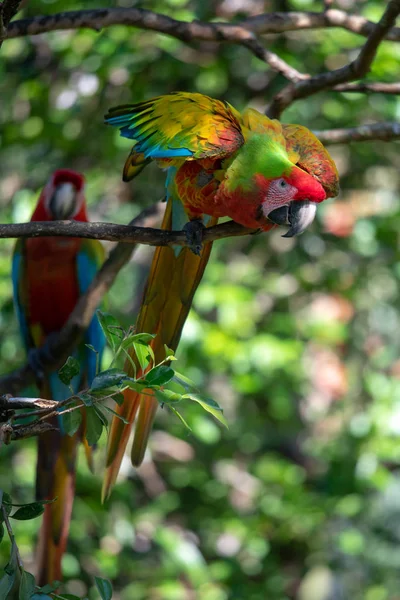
(55, 480)
(172, 283)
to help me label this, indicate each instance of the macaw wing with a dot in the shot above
(179, 125)
(88, 261)
(20, 300)
(307, 152)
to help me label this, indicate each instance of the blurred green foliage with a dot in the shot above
(297, 340)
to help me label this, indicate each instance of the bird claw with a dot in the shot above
(40, 358)
(194, 235)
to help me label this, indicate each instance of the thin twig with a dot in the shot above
(366, 88)
(11, 536)
(354, 70)
(8, 402)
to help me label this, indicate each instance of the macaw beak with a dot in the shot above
(63, 202)
(298, 214)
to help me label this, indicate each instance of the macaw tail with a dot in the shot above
(168, 296)
(55, 479)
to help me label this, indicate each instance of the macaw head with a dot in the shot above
(290, 199)
(281, 181)
(62, 198)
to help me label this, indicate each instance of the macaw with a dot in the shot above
(49, 274)
(219, 163)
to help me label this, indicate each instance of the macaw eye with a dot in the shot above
(282, 184)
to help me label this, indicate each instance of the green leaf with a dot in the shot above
(86, 399)
(101, 415)
(169, 353)
(27, 586)
(118, 399)
(71, 421)
(10, 572)
(94, 426)
(112, 330)
(209, 405)
(115, 414)
(39, 596)
(6, 583)
(69, 370)
(137, 338)
(143, 355)
(29, 511)
(6, 502)
(1, 532)
(108, 379)
(167, 396)
(92, 348)
(104, 587)
(136, 386)
(159, 375)
(178, 414)
(49, 587)
(185, 382)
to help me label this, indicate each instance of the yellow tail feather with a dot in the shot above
(170, 288)
(55, 481)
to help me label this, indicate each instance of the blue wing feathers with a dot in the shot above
(87, 267)
(17, 275)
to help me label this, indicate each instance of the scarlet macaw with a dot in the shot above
(219, 163)
(49, 275)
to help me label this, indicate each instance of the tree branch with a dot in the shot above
(80, 318)
(363, 133)
(62, 346)
(354, 70)
(8, 9)
(148, 20)
(129, 234)
(267, 23)
(366, 87)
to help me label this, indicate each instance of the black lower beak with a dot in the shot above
(298, 214)
(280, 216)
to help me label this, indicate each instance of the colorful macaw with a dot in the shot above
(49, 275)
(219, 163)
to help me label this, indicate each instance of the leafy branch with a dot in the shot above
(169, 387)
(15, 581)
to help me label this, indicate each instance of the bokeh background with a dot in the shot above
(298, 340)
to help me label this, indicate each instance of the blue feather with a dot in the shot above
(87, 268)
(17, 274)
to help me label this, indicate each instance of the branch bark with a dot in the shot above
(129, 234)
(366, 87)
(378, 131)
(354, 70)
(8, 9)
(148, 20)
(268, 23)
(79, 320)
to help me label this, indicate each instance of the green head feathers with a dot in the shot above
(259, 155)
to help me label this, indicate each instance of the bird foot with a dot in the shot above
(40, 358)
(194, 235)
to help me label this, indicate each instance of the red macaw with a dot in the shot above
(219, 163)
(49, 275)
